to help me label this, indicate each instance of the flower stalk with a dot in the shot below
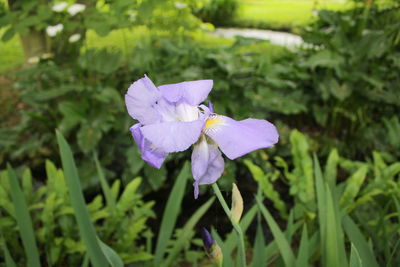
(234, 223)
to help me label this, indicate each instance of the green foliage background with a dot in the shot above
(338, 96)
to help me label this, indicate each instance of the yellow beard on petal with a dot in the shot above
(212, 122)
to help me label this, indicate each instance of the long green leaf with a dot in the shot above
(283, 245)
(355, 260)
(186, 231)
(303, 254)
(331, 245)
(7, 256)
(171, 213)
(321, 203)
(111, 201)
(23, 220)
(85, 225)
(259, 257)
(360, 243)
(111, 255)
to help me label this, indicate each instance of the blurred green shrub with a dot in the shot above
(354, 75)
(60, 27)
(55, 227)
(218, 12)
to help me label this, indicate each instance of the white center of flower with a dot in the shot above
(186, 112)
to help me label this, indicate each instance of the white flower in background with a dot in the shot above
(75, 9)
(60, 7)
(53, 30)
(33, 60)
(46, 55)
(74, 38)
(180, 5)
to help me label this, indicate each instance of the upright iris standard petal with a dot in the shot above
(192, 92)
(173, 136)
(236, 138)
(155, 157)
(207, 164)
(140, 100)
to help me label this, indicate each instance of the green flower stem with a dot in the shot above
(235, 225)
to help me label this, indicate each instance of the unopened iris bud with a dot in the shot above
(212, 249)
(237, 204)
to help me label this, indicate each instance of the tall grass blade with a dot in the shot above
(332, 243)
(110, 199)
(186, 231)
(360, 243)
(259, 256)
(282, 243)
(171, 213)
(321, 203)
(23, 220)
(355, 260)
(397, 204)
(7, 256)
(85, 225)
(303, 254)
(111, 255)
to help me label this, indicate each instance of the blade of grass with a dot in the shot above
(23, 220)
(111, 255)
(355, 260)
(321, 203)
(331, 245)
(111, 201)
(171, 213)
(360, 243)
(397, 204)
(282, 243)
(7, 256)
(85, 225)
(259, 256)
(186, 231)
(303, 254)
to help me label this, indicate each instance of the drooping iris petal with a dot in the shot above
(152, 155)
(236, 138)
(173, 136)
(193, 92)
(140, 99)
(207, 164)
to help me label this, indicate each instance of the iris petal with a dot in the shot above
(237, 138)
(154, 156)
(140, 99)
(207, 164)
(192, 92)
(173, 136)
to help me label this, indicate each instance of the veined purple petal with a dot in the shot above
(142, 95)
(237, 138)
(207, 164)
(192, 92)
(155, 157)
(173, 136)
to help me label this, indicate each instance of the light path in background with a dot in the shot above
(275, 37)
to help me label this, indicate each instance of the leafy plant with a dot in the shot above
(55, 227)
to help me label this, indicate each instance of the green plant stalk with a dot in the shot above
(235, 225)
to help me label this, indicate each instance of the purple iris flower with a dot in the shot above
(172, 118)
